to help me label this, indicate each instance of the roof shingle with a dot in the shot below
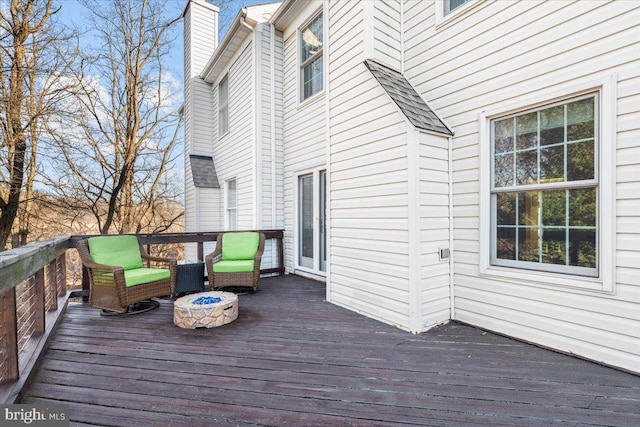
(407, 99)
(203, 172)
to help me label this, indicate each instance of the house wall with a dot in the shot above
(489, 55)
(369, 241)
(304, 133)
(383, 40)
(269, 75)
(233, 152)
(433, 200)
(200, 39)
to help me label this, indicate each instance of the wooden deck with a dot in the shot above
(291, 359)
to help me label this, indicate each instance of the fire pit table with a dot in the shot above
(205, 310)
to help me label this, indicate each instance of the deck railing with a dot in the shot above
(34, 295)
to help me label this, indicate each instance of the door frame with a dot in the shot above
(314, 271)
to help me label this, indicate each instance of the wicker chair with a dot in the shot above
(235, 263)
(116, 274)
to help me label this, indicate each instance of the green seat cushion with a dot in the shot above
(145, 275)
(241, 266)
(239, 246)
(122, 251)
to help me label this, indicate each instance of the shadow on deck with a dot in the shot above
(292, 359)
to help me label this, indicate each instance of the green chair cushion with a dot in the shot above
(241, 266)
(239, 246)
(145, 275)
(122, 251)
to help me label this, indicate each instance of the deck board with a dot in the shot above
(292, 359)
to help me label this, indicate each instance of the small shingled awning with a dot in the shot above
(203, 172)
(407, 98)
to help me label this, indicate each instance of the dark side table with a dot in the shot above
(190, 278)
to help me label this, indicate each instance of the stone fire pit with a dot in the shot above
(205, 310)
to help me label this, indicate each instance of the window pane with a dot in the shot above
(526, 167)
(552, 164)
(528, 249)
(580, 161)
(503, 136)
(552, 125)
(527, 131)
(553, 146)
(223, 106)
(582, 207)
(503, 175)
(554, 208)
(312, 78)
(506, 210)
(312, 38)
(554, 246)
(528, 208)
(580, 123)
(231, 194)
(582, 248)
(506, 243)
(233, 220)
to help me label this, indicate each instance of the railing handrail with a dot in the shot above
(21, 263)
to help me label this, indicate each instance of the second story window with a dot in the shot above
(451, 5)
(231, 203)
(223, 105)
(311, 61)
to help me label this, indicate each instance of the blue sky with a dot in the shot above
(72, 11)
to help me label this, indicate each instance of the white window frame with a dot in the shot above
(444, 14)
(446, 7)
(230, 210)
(223, 106)
(311, 59)
(605, 168)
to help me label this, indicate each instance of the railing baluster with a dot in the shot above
(39, 303)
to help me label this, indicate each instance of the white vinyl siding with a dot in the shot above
(233, 152)
(304, 133)
(382, 32)
(434, 229)
(369, 248)
(269, 137)
(200, 35)
(468, 67)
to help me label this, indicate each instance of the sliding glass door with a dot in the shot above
(311, 222)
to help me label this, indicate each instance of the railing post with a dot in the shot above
(9, 350)
(51, 287)
(200, 251)
(39, 302)
(281, 254)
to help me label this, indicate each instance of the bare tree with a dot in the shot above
(33, 64)
(119, 154)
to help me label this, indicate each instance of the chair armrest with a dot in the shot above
(146, 257)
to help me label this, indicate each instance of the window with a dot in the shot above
(545, 188)
(231, 205)
(311, 61)
(223, 105)
(450, 5)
